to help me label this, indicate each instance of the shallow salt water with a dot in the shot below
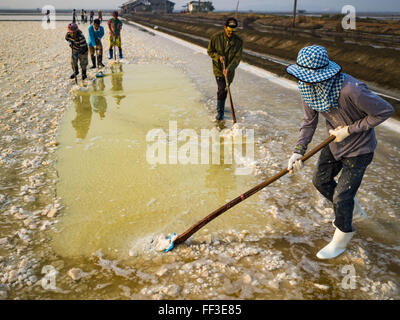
(112, 194)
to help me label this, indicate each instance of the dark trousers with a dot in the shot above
(342, 192)
(222, 92)
(83, 60)
(98, 47)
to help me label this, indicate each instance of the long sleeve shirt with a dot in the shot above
(78, 43)
(115, 26)
(229, 48)
(94, 35)
(360, 109)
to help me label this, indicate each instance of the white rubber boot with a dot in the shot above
(337, 245)
(358, 212)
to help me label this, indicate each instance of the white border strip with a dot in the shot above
(390, 124)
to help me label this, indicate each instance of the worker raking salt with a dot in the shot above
(115, 26)
(225, 49)
(96, 33)
(351, 112)
(100, 15)
(79, 48)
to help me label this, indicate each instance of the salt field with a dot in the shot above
(80, 203)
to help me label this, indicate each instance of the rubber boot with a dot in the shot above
(100, 61)
(74, 75)
(120, 53)
(220, 110)
(111, 54)
(84, 76)
(93, 61)
(337, 245)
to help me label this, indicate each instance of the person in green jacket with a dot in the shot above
(225, 47)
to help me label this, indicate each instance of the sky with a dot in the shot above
(257, 5)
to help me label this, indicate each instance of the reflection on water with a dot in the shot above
(83, 117)
(116, 82)
(99, 102)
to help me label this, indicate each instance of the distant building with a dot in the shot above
(154, 6)
(199, 6)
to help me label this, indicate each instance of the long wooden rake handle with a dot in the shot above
(188, 233)
(229, 94)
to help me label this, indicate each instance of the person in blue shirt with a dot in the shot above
(96, 33)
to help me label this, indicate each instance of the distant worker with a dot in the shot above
(83, 16)
(100, 15)
(48, 16)
(115, 26)
(79, 48)
(225, 47)
(91, 16)
(74, 16)
(96, 33)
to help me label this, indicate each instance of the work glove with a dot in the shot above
(340, 133)
(295, 163)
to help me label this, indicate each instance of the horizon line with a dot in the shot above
(221, 10)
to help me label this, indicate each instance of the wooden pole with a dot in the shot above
(229, 94)
(188, 233)
(294, 14)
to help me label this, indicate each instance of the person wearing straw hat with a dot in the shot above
(225, 47)
(351, 112)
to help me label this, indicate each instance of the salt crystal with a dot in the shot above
(321, 286)
(29, 198)
(162, 271)
(75, 274)
(52, 212)
(247, 278)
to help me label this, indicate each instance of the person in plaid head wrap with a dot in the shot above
(351, 112)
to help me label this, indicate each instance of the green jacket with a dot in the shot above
(231, 49)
